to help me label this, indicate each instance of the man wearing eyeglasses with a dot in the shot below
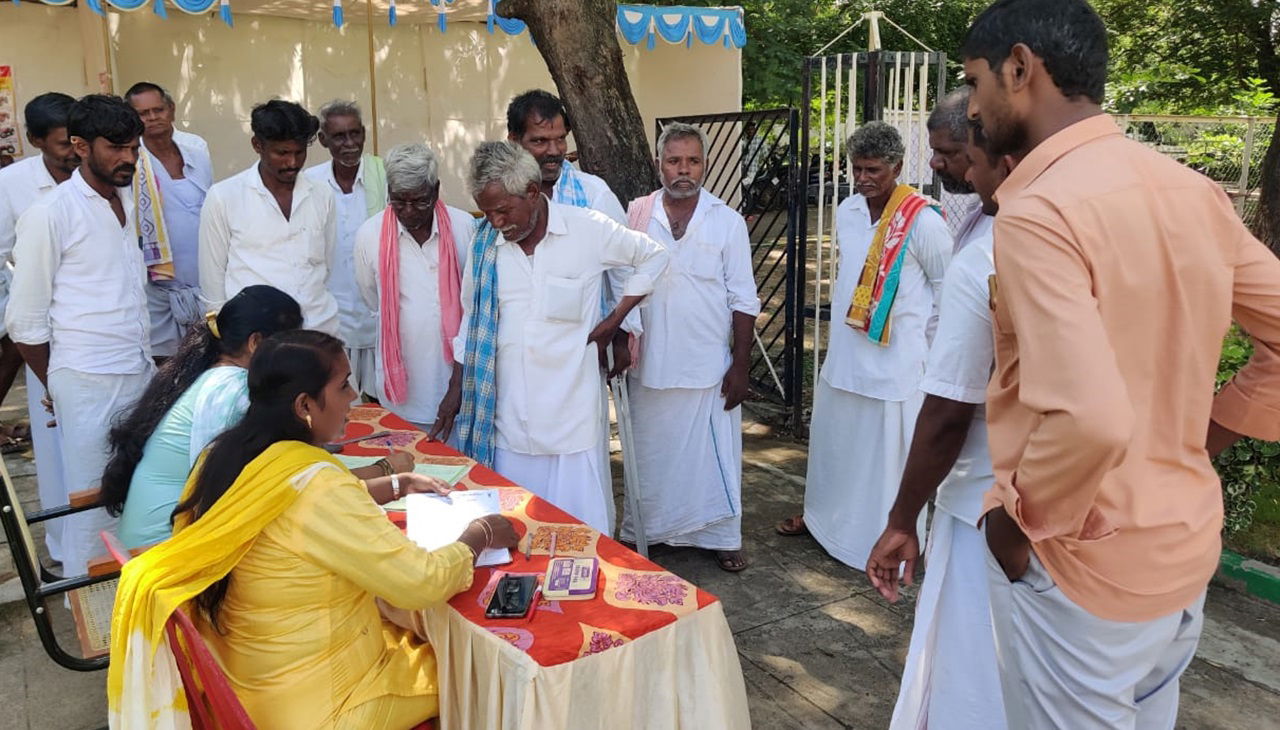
(409, 261)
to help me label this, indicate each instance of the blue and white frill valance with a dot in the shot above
(638, 24)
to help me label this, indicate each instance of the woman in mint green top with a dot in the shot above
(196, 395)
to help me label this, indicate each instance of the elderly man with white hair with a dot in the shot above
(894, 250)
(409, 260)
(359, 186)
(687, 391)
(526, 387)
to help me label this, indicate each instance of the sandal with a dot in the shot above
(12, 445)
(731, 561)
(792, 526)
(20, 431)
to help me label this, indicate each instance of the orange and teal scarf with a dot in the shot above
(873, 297)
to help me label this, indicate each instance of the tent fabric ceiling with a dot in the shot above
(638, 24)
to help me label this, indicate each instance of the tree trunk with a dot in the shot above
(578, 41)
(1267, 225)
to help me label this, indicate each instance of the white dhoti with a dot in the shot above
(364, 370)
(857, 451)
(689, 462)
(46, 441)
(577, 483)
(951, 679)
(1063, 667)
(87, 404)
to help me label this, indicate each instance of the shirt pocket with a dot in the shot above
(312, 239)
(703, 262)
(561, 298)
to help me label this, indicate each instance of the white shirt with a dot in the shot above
(181, 201)
(420, 322)
(600, 198)
(245, 240)
(79, 283)
(959, 368)
(688, 320)
(973, 225)
(359, 323)
(548, 377)
(855, 363)
(21, 184)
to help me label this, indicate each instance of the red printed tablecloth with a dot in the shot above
(651, 650)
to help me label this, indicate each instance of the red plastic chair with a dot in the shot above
(211, 701)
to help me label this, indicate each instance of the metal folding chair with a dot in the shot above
(91, 596)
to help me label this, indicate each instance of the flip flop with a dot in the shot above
(12, 445)
(731, 561)
(792, 526)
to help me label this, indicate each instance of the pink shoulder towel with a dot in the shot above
(639, 213)
(395, 377)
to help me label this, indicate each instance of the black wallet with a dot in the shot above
(512, 597)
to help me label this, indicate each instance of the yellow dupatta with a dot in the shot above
(144, 689)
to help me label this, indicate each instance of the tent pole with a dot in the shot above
(373, 75)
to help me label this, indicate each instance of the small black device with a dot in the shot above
(512, 597)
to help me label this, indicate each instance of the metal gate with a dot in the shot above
(841, 92)
(752, 166)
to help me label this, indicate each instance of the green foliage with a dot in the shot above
(1250, 467)
(1168, 56)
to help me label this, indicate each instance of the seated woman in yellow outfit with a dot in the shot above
(279, 552)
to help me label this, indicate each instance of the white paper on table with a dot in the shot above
(433, 521)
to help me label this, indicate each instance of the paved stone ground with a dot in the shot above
(819, 648)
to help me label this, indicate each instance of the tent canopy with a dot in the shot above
(637, 23)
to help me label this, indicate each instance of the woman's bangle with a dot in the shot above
(488, 533)
(395, 487)
(385, 466)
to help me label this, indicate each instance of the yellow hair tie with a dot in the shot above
(211, 318)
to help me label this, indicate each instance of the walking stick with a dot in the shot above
(630, 480)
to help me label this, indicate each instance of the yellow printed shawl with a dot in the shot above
(877, 287)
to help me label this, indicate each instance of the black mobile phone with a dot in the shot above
(512, 597)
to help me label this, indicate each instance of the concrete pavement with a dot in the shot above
(819, 648)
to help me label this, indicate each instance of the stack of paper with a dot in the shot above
(434, 521)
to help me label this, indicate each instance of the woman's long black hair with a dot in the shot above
(259, 309)
(283, 367)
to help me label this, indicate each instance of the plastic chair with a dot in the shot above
(91, 596)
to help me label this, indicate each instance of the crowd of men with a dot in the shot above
(493, 334)
(1042, 369)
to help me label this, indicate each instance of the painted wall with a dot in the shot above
(449, 89)
(44, 46)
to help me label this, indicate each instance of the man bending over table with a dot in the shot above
(531, 325)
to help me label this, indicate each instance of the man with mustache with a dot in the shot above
(894, 249)
(695, 353)
(539, 122)
(948, 126)
(409, 262)
(951, 677)
(270, 224)
(79, 307)
(527, 384)
(21, 186)
(1118, 272)
(358, 183)
(174, 173)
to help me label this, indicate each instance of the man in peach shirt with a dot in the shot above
(1118, 274)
